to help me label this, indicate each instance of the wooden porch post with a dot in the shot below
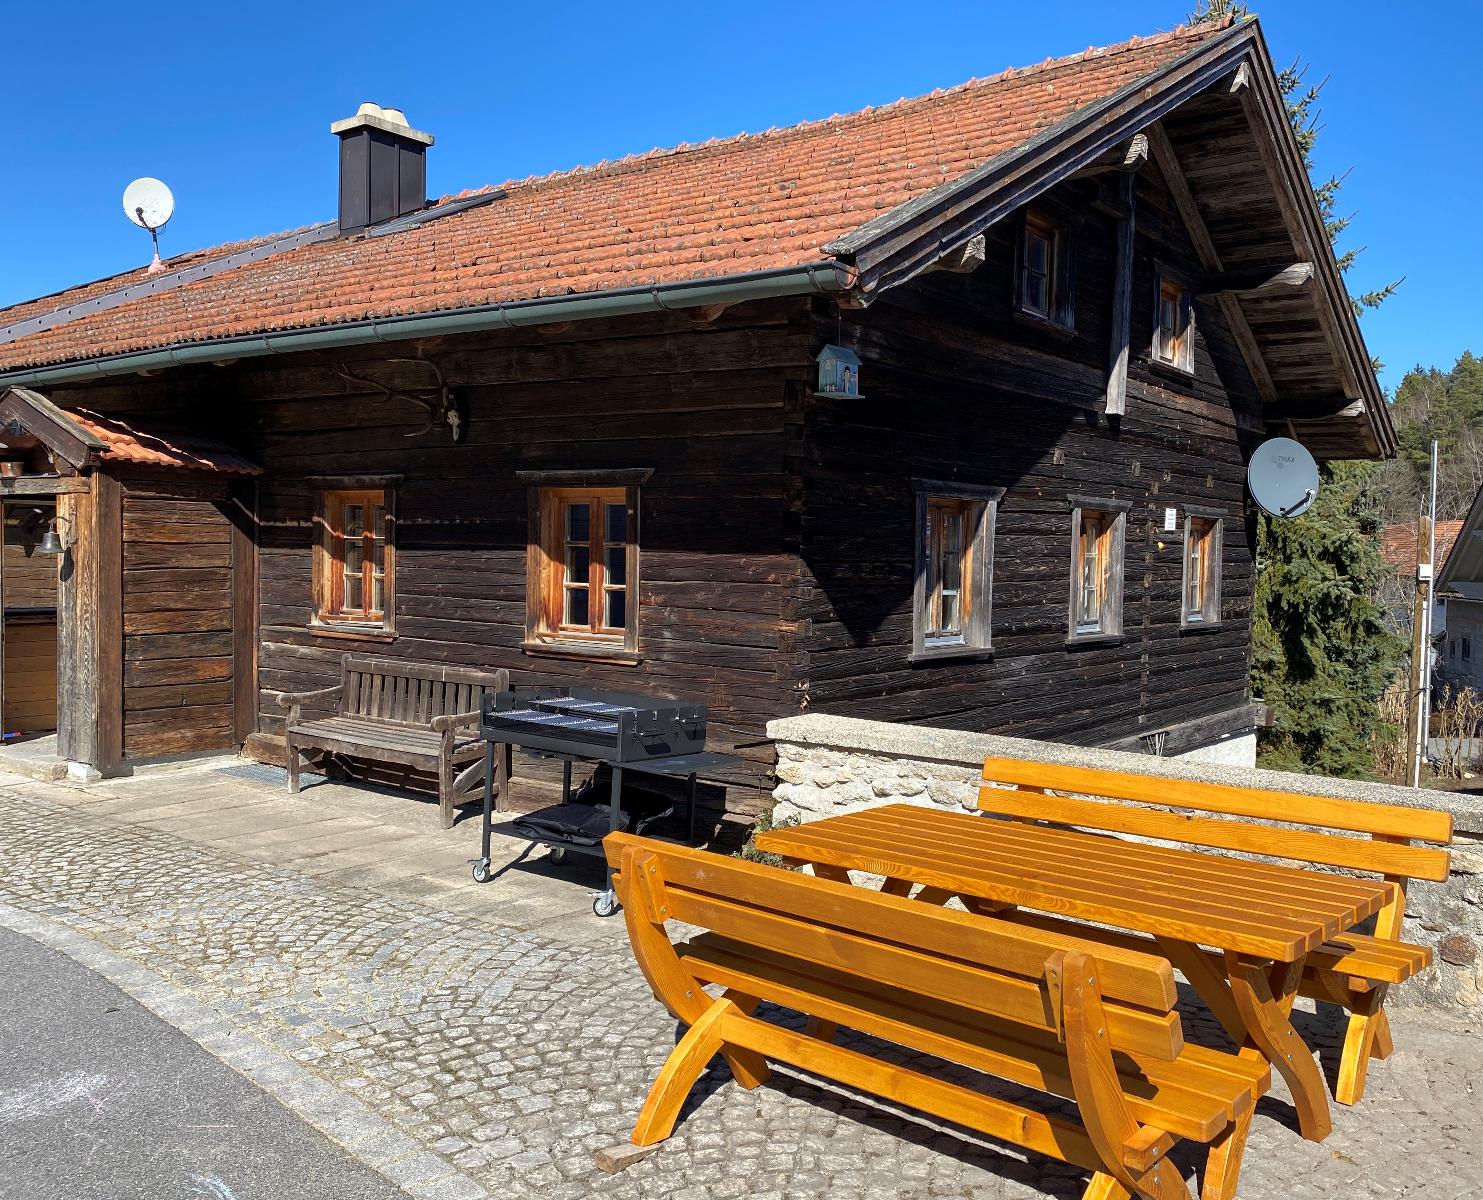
(90, 626)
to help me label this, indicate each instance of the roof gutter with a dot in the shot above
(817, 278)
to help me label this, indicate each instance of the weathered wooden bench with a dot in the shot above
(1058, 1014)
(417, 715)
(1354, 970)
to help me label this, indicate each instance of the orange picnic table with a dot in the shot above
(1262, 919)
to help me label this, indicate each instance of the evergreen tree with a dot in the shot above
(1321, 653)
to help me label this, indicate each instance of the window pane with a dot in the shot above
(1036, 297)
(355, 551)
(378, 593)
(379, 525)
(578, 559)
(353, 592)
(1037, 254)
(616, 616)
(950, 622)
(617, 527)
(578, 522)
(355, 520)
(576, 607)
(952, 551)
(378, 555)
(617, 563)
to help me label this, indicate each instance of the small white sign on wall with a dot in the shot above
(1171, 520)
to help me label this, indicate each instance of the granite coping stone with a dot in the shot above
(959, 748)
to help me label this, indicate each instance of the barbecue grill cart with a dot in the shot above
(627, 733)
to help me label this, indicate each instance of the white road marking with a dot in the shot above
(21, 1104)
(214, 1187)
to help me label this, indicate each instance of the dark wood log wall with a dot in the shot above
(177, 619)
(957, 387)
(702, 404)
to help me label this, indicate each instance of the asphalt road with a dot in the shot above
(101, 1100)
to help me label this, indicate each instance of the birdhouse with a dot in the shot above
(839, 372)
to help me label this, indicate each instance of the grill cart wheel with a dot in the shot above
(481, 872)
(605, 904)
(557, 856)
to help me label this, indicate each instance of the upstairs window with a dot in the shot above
(1202, 557)
(1097, 532)
(1043, 286)
(582, 563)
(354, 558)
(1467, 649)
(1173, 345)
(955, 540)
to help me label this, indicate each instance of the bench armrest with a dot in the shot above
(291, 699)
(468, 720)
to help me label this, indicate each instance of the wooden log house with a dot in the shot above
(579, 426)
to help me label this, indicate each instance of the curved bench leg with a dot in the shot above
(1223, 1166)
(1368, 1036)
(678, 1075)
(1105, 1187)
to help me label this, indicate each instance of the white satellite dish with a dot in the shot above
(1283, 477)
(149, 204)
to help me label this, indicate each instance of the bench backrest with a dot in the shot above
(979, 963)
(410, 693)
(1384, 845)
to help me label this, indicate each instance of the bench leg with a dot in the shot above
(445, 791)
(1223, 1167)
(1105, 1187)
(748, 1069)
(678, 1075)
(293, 767)
(1368, 1036)
(821, 1028)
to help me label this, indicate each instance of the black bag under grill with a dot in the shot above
(586, 818)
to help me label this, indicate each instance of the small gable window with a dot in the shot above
(955, 567)
(1173, 345)
(1043, 289)
(1097, 536)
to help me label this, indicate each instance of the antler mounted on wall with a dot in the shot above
(441, 405)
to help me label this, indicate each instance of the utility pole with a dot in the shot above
(1421, 629)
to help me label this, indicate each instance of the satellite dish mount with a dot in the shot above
(149, 204)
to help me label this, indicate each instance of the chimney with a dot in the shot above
(383, 167)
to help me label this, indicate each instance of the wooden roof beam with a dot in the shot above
(1184, 201)
(1256, 281)
(1128, 157)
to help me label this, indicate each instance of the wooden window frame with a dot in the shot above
(980, 507)
(1183, 357)
(1209, 527)
(1059, 313)
(546, 629)
(329, 612)
(1111, 548)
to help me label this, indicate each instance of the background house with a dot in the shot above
(575, 426)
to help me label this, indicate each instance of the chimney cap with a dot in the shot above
(388, 120)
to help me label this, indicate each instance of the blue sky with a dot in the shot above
(230, 105)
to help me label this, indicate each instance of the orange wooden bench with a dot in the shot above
(1090, 1023)
(1353, 970)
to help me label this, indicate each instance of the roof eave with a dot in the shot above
(823, 276)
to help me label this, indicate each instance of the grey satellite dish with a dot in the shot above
(1283, 477)
(149, 204)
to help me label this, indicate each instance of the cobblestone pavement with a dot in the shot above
(463, 1057)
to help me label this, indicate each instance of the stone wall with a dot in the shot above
(828, 765)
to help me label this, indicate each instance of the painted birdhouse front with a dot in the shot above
(839, 371)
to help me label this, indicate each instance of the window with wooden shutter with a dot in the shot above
(354, 560)
(583, 567)
(1200, 605)
(1097, 534)
(954, 567)
(1173, 342)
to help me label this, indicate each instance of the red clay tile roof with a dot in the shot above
(162, 448)
(1398, 544)
(749, 203)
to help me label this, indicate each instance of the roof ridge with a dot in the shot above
(639, 160)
